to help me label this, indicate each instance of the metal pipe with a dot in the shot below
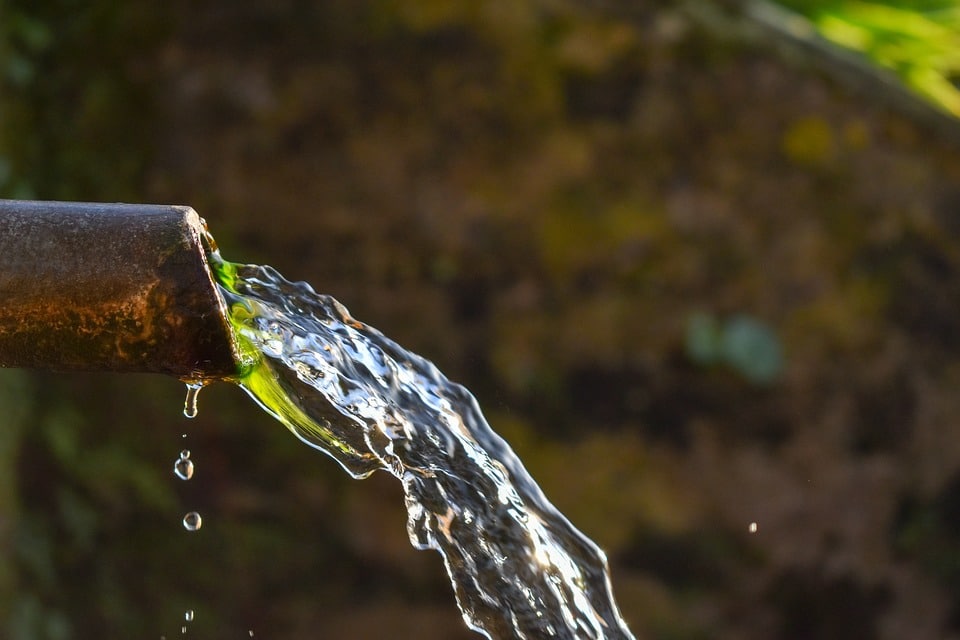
(110, 287)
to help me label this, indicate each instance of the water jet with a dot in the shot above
(144, 289)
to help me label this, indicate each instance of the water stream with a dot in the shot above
(519, 569)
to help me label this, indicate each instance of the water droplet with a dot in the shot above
(192, 521)
(190, 402)
(752, 528)
(188, 615)
(183, 630)
(183, 467)
(250, 632)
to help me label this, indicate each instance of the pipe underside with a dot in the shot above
(110, 287)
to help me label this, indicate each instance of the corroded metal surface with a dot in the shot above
(109, 287)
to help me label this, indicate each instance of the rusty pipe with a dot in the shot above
(110, 287)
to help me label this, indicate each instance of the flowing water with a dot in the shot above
(519, 569)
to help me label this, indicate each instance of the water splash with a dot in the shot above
(519, 569)
(192, 521)
(183, 467)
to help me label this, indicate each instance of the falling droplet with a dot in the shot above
(250, 632)
(183, 467)
(190, 402)
(192, 521)
(188, 616)
(752, 528)
(183, 630)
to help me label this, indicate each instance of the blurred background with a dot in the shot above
(698, 260)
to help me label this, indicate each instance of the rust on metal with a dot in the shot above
(110, 287)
